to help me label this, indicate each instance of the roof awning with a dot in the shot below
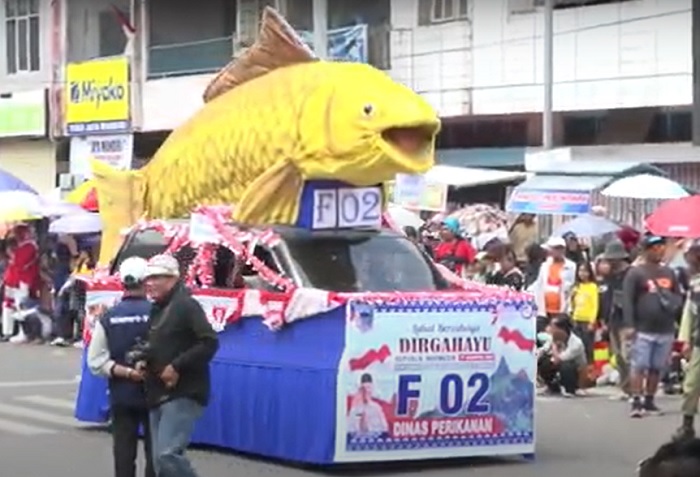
(555, 194)
(470, 176)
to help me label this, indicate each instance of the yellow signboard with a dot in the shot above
(97, 97)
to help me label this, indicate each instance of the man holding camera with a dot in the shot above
(181, 345)
(120, 329)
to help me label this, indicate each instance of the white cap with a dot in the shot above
(556, 242)
(133, 270)
(163, 265)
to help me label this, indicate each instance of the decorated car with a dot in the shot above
(340, 341)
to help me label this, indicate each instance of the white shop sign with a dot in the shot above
(347, 208)
(115, 150)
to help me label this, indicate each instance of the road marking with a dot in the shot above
(19, 411)
(64, 404)
(23, 429)
(30, 384)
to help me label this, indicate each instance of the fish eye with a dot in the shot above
(368, 109)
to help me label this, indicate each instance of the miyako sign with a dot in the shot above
(97, 97)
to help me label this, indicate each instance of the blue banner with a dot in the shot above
(549, 202)
(344, 44)
(439, 378)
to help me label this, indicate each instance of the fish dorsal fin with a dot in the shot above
(277, 46)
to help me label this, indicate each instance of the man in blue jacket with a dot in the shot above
(115, 334)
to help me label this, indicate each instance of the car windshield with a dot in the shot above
(370, 263)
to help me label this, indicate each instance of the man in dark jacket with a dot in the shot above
(182, 343)
(618, 258)
(115, 334)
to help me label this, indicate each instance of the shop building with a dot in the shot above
(26, 149)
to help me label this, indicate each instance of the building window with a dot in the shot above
(22, 35)
(528, 6)
(440, 11)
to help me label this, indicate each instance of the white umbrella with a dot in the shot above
(83, 223)
(19, 205)
(404, 217)
(645, 186)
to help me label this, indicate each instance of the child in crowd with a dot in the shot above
(585, 306)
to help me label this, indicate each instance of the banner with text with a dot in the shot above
(436, 379)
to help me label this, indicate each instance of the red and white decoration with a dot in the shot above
(227, 306)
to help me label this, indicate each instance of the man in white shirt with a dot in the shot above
(366, 416)
(561, 361)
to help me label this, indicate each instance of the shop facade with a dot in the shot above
(26, 150)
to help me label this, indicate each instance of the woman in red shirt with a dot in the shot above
(453, 251)
(21, 278)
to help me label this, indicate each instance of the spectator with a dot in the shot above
(453, 251)
(616, 256)
(508, 273)
(689, 335)
(552, 288)
(584, 306)
(523, 234)
(563, 359)
(536, 255)
(674, 459)
(651, 305)
(574, 251)
(21, 280)
(412, 235)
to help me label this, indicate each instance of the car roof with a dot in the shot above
(286, 231)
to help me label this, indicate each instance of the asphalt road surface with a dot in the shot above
(39, 437)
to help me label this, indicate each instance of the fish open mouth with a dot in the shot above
(412, 141)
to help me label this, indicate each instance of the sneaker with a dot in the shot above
(652, 408)
(637, 411)
(59, 342)
(5, 338)
(621, 397)
(567, 394)
(18, 339)
(79, 345)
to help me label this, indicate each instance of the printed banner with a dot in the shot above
(549, 202)
(117, 151)
(344, 44)
(97, 97)
(436, 379)
(415, 192)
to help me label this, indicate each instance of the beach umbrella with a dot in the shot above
(587, 226)
(80, 223)
(645, 186)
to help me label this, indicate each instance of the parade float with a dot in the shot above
(339, 340)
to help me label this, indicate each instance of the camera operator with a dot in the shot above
(182, 343)
(118, 331)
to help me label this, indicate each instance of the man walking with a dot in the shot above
(119, 329)
(182, 343)
(616, 255)
(651, 305)
(689, 335)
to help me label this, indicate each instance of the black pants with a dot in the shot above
(125, 438)
(588, 338)
(558, 376)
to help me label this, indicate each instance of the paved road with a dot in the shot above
(38, 436)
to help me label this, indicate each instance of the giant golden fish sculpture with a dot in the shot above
(272, 119)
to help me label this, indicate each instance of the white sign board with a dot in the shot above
(347, 208)
(114, 150)
(202, 230)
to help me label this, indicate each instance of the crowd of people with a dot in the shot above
(635, 292)
(41, 301)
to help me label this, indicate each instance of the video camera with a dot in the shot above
(140, 352)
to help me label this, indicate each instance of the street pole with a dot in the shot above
(320, 16)
(547, 126)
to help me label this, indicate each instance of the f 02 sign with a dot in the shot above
(347, 208)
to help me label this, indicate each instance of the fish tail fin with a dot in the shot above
(121, 198)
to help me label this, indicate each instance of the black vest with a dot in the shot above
(124, 324)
